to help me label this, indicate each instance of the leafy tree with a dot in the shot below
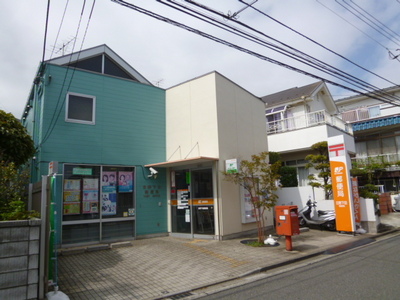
(274, 157)
(12, 193)
(320, 162)
(16, 145)
(259, 179)
(16, 148)
(368, 172)
(288, 176)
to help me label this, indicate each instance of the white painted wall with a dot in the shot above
(191, 119)
(212, 116)
(241, 133)
(300, 139)
(300, 195)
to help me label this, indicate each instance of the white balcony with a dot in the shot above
(389, 161)
(308, 120)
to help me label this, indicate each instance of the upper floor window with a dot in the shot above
(80, 108)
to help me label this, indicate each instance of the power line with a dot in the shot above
(245, 50)
(374, 26)
(45, 30)
(306, 59)
(371, 16)
(366, 34)
(322, 46)
(54, 120)
(59, 29)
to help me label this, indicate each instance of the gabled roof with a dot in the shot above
(88, 57)
(289, 95)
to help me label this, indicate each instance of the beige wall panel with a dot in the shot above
(191, 119)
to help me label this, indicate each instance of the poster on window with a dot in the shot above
(90, 195)
(90, 207)
(109, 204)
(125, 182)
(248, 213)
(72, 208)
(72, 185)
(108, 182)
(91, 184)
(72, 196)
(72, 190)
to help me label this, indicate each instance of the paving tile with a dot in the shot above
(155, 267)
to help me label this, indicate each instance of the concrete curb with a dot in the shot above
(359, 244)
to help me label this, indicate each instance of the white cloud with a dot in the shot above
(160, 51)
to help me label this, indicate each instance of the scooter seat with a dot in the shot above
(324, 212)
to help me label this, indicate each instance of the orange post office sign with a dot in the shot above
(341, 196)
(341, 184)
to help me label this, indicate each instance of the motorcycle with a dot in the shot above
(324, 219)
(396, 205)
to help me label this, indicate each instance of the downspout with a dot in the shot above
(218, 199)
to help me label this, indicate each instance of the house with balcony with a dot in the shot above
(376, 128)
(296, 119)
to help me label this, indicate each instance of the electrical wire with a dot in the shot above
(362, 17)
(321, 66)
(45, 30)
(366, 34)
(56, 116)
(59, 29)
(382, 24)
(237, 47)
(319, 44)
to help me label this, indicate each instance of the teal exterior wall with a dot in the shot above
(129, 130)
(130, 120)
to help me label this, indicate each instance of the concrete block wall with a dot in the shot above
(19, 259)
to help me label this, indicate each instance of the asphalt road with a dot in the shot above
(369, 272)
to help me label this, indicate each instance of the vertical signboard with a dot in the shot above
(342, 193)
(356, 200)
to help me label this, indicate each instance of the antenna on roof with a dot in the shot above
(64, 46)
(158, 82)
(235, 15)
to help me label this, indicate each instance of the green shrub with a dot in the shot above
(13, 185)
(288, 176)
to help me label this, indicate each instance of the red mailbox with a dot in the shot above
(287, 220)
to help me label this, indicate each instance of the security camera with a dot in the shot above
(153, 172)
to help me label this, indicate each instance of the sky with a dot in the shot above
(167, 55)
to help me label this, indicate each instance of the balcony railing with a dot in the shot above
(388, 161)
(308, 120)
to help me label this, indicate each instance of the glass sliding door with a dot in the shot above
(180, 196)
(192, 202)
(203, 202)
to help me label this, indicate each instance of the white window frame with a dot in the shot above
(93, 121)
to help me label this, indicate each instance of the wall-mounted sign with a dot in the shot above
(231, 165)
(53, 167)
(82, 171)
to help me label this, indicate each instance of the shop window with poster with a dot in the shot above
(117, 192)
(98, 203)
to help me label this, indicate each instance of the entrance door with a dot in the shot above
(192, 202)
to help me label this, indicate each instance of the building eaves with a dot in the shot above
(219, 74)
(291, 94)
(94, 51)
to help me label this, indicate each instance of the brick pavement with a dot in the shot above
(160, 267)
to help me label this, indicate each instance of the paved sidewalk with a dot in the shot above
(163, 267)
